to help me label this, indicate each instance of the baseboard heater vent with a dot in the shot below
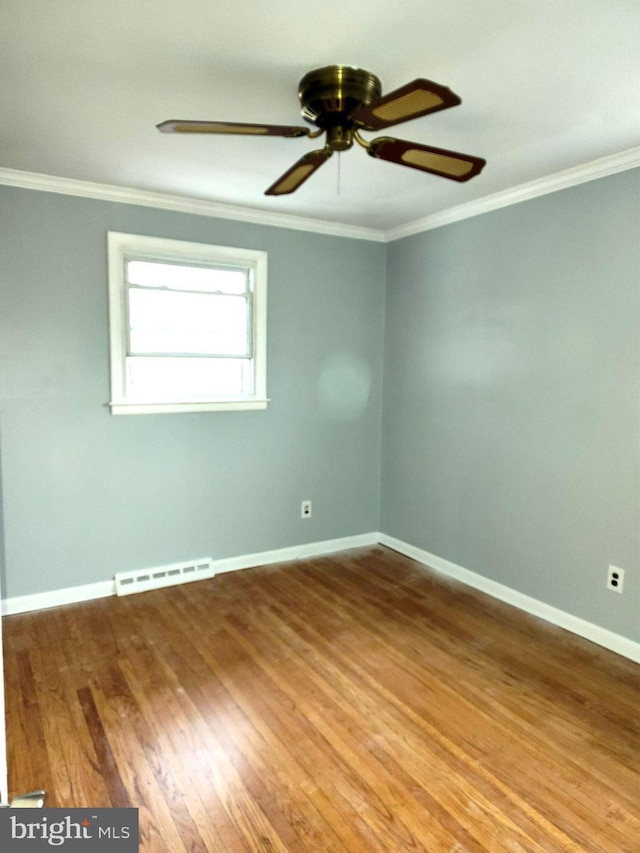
(172, 575)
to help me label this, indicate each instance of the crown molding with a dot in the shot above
(601, 168)
(183, 204)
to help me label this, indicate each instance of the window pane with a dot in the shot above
(188, 378)
(179, 277)
(191, 323)
(187, 324)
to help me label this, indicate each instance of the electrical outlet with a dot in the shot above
(615, 579)
(305, 509)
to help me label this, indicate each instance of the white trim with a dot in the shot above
(57, 597)
(103, 589)
(559, 181)
(183, 204)
(123, 246)
(581, 627)
(601, 636)
(183, 408)
(296, 552)
(4, 771)
(590, 171)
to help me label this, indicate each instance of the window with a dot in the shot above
(187, 326)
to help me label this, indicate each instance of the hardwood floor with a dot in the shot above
(350, 703)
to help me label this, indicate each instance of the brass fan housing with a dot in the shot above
(329, 95)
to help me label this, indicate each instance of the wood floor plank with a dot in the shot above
(337, 723)
(200, 756)
(118, 795)
(549, 651)
(149, 781)
(32, 765)
(440, 761)
(627, 729)
(69, 749)
(270, 772)
(481, 736)
(354, 703)
(342, 795)
(176, 727)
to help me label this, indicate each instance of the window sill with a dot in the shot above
(176, 408)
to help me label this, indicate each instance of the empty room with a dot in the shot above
(320, 426)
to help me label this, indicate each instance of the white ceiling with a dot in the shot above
(546, 85)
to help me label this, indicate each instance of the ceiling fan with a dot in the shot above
(341, 101)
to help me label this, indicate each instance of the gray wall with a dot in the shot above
(510, 430)
(86, 494)
(511, 438)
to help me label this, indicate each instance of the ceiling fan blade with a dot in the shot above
(230, 127)
(437, 161)
(299, 172)
(411, 101)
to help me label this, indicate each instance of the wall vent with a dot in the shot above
(172, 575)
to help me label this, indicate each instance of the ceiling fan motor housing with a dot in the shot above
(329, 95)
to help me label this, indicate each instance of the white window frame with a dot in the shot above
(124, 247)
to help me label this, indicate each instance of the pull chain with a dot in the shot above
(339, 174)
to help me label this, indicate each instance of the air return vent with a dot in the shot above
(172, 575)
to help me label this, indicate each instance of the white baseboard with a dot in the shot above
(102, 589)
(56, 597)
(296, 552)
(601, 636)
